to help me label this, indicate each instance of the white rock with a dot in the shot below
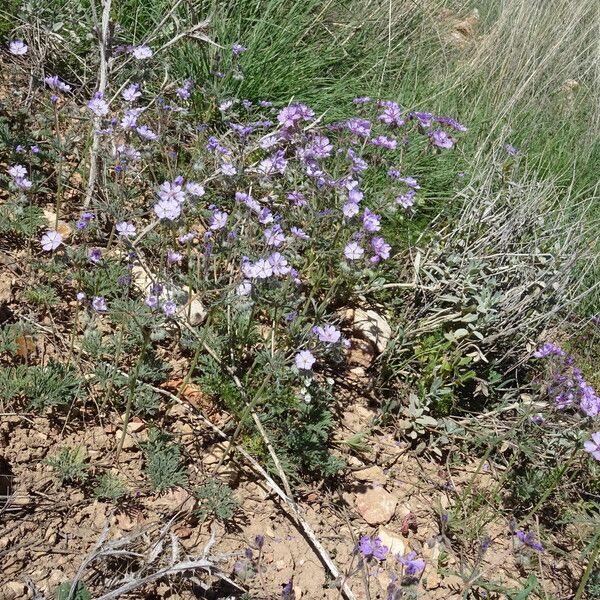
(392, 540)
(370, 326)
(372, 474)
(376, 506)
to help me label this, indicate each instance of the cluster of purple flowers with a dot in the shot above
(569, 388)
(313, 174)
(374, 548)
(19, 176)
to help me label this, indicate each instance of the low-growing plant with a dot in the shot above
(163, 462)
(42, 387)
(216, 499)
(110, 487)
(70, 465)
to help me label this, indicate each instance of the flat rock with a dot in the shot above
(372, 327)
(372, 474)
(392, 540)
(376, 506)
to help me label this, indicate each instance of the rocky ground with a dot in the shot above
(46, 531)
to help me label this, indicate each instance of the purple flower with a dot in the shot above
(441, 139)
(372, 547)
(350, 209)
(362, 100)
(18, 47)
(23, 183)
(593, 446)
(35, 149)
(152, 301)
(381, 249)
(174, 257)
(184, 92)
(529, 540)
(384, 142)
(297, 198)
(319, 147)
(589, 401)
(99, 304)
(327, 333)
(131, 93)
(511, 150)
(549, 349)
(51, 240)
(17, 171)
(262, 269)
(95, 255)
(265, 216)
(304, 360)
(142, 52)
(125, 229)
(238, 49)
(287, 593)
(353, 251)
(167, 209)
(56, 84)
(276, 163)
(279, 264)
(169, 308)
(406, 200)
(228, 169)
(291, 115)
(392, 115)
(146, 133)
(393, 173)
(371, 221)
(360, 127)
(130, 116)
(410, 182)
(171, 191)
(453, 123)
(412, 565)
(355, 194)
(218, 220)
(80, 296)
(194, 189)
(98, 105)
(299, 233)
(425, 119)
(274, 236)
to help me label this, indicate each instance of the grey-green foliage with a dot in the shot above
(69, 465)
(163, 462)
(110, 487)
(216, 499)
(55, 384)
(16, 219)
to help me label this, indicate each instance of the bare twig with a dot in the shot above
(103, 80)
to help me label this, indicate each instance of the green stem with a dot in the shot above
(588, 571)
(131, 392)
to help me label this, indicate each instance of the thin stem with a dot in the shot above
(131, 392)
(588, 570)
